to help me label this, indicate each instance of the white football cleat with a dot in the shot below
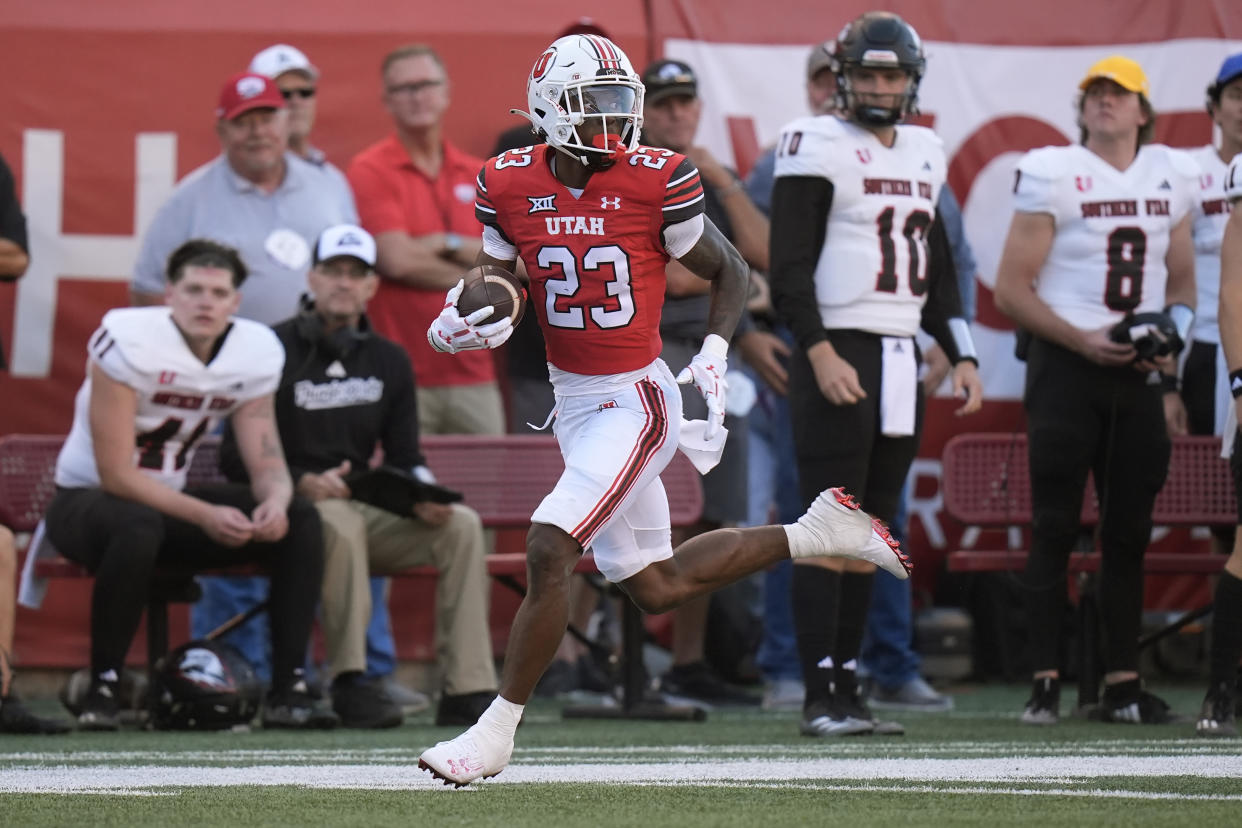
(844, 530)
(476, 754)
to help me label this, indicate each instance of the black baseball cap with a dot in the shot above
(666, 78)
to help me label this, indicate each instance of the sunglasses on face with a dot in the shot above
(298, 93)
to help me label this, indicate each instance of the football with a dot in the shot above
(495, 286)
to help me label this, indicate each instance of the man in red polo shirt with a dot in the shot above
(415, 195)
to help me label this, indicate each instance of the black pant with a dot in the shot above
(121, 542)
(842, 445)
(1084, 417)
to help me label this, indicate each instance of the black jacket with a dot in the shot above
(340, 396)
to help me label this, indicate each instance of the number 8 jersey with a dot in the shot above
(596, 258)
(1112, 227)
(180, 399)
(872, 272)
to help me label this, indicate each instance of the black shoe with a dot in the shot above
(463, 710)
(561, 677)
(364, 703)
(1217, 716)
(296, 709)
(697, 680)
(1044, 705)
(825, 718)
(855, 708)
(100, 709)
(1126, 702)
(15, 718)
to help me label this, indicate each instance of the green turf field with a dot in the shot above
(975, 766)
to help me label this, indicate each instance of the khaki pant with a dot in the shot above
(461, 409)
(361, 540)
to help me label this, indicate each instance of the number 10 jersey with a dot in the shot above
(596, 260)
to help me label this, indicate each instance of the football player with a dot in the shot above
(859, 264)
(1219, 707)
(158, 380)
(595, 218)
(1101, 232)
(1204, 385)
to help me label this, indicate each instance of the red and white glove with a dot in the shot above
(707, 372)
(450, 332)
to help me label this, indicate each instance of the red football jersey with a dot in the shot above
(596, 262)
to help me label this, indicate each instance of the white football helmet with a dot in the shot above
(585, 99)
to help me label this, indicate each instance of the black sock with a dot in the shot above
(1226, 630)
(851, 624)
(816, 596)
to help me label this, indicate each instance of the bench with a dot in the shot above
(986, 484)
(502, 478)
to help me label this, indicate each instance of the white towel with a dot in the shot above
(704, 454)
(899, 382)
(33, 587)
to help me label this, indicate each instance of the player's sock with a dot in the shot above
(852, 618)
(501, 717)
(816, 597)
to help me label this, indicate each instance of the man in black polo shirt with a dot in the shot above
(345, 391)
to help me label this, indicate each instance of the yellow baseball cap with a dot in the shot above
(1120, 70)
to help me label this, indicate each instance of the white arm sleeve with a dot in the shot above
(496, 246)
(680, 237)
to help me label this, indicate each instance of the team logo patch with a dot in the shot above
(1205, 181)
(249, 86)
(1082, 182)
(609, 404)
(542, 204)
(607, 203)
(543, 64)
(864, 155)
(168, 377)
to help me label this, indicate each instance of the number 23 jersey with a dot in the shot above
(596, 261)
(180, 399)
(1112, 227)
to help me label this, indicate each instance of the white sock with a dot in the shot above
(502, 716)
(803, 543)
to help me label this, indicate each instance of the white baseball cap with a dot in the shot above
(345, 240)
(276, 60)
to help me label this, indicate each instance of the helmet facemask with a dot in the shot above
(874, 112)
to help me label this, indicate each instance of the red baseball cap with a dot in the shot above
(246, 91)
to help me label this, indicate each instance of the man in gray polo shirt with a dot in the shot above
(257, 197)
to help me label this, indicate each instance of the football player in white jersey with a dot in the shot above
(158, 380)
(1204, 387)
(1219, 714)
(1101, 233)
(859, 264)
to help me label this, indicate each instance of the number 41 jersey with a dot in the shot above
(1112, 227)
(180, 399)
(596, 261)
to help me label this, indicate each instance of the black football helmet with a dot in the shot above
(880, 40)
(204, 685)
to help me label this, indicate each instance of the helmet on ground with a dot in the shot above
(204, 685)
(585, 99)
(878, 40)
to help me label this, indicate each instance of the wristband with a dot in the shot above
(1235, 383)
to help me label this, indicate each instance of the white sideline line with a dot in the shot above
(758, 772)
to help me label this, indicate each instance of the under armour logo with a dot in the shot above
(542, 204)
(610, 203)
(864, 155)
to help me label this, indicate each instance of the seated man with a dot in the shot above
(14, 717)
(346, 390)
(158, 379)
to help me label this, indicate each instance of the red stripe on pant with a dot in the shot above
(648, 444)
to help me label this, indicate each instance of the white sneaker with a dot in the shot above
(844, 530)
(477, 753)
